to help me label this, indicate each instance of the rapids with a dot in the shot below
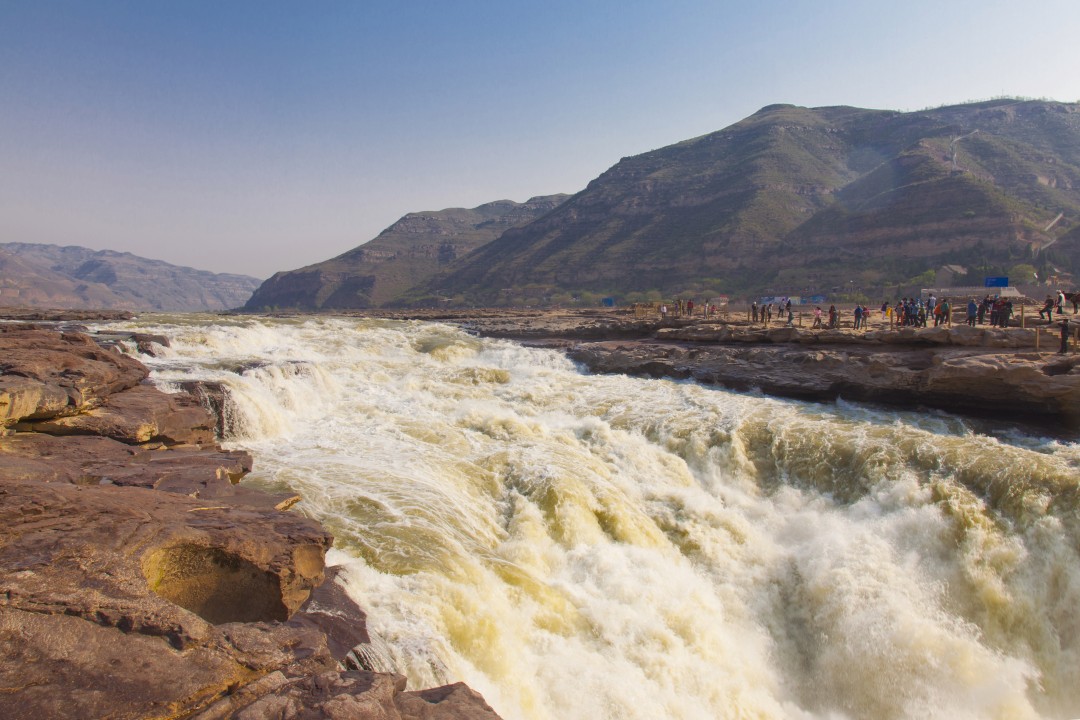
(602, 547)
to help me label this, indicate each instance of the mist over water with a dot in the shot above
(577, 546)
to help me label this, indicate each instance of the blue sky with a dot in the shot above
(257, 136)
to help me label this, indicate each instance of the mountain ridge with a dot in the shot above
(413, 248)
(70, 276)
(737, 210)
(792, 200)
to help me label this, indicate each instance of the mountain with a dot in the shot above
(803, 200)
(33, 275)
(406, 253)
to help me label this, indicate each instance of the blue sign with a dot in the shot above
(608, 302)
(997, 282)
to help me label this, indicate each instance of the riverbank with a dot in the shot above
(139, 579)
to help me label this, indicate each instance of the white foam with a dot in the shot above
(609, 547)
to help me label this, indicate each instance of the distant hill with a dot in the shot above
(53, 276)
(800, 200)
(405, 254)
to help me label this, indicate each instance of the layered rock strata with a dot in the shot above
(137, 579)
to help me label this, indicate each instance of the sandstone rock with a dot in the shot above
(96, 577)
(47, 374)
(330, 609)
(1042, 386)
(138, 415)
(206, 473)
(354, 695)
(451, 702)
(146, 343)
(22, 398)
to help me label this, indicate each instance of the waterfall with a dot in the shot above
(577, 546)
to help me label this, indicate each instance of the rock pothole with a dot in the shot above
(216, 585)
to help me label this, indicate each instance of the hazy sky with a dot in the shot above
(259, 136)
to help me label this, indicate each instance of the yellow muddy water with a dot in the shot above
(603, 547)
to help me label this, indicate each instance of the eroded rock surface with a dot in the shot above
(1043, 386)
(46, 374)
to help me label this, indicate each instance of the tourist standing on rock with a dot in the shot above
(663, 312)
(1064, 337)
(753, 309)
(1047, 309)
(817, 318)
(972, 312)
(789, 315)
(690, 308)
(1005, 313)
(832, 317)
(884, 310)
(858, 317)
(1061, 302)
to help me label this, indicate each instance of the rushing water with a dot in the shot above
(595, 547)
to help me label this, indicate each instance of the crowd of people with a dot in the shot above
(685, 308)
(996, 310)
(764, 313)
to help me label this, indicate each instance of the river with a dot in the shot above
(605, 547)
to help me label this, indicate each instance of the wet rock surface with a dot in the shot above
(138, 579)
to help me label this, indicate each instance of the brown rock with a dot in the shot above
(206, 473)
(330, 609)
(47, 374)
(1041, 386)
(138, 415)
(155, 576)
(450, 702)
(354, 695)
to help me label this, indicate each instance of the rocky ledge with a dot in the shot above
(138, 579)
(985, 372)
